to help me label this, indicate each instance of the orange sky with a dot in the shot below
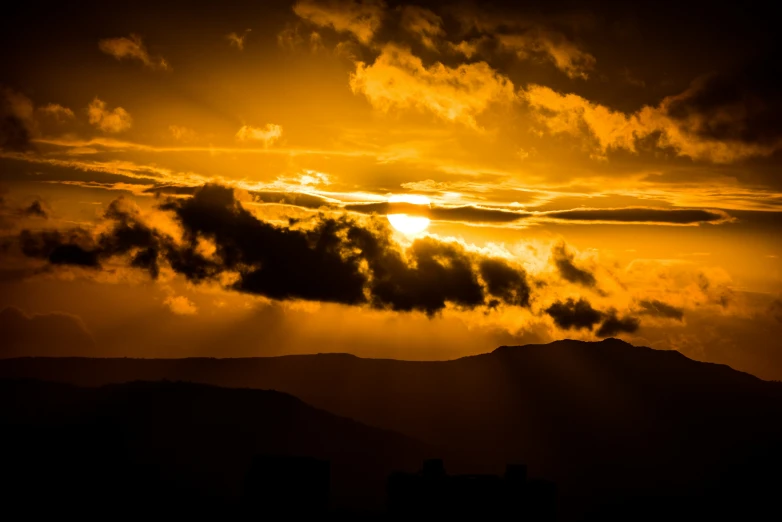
(589, 172)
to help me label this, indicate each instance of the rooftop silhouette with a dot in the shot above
(432, 493)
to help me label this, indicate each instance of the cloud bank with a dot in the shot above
(329, 259)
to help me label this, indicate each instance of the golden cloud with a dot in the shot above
(56, 111)
(116, 120)
(267, 134)
(132, 48)
(182, 133)
(180, 305)
(362, 18)
(564, 54)
(424, 24)
(398, 79)
(237, 40)
(607, 128)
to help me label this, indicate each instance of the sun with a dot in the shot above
(406, 223)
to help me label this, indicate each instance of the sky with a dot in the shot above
(401, 180)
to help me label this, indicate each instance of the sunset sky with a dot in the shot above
(181, 180)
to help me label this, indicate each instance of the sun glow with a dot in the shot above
(406, 223)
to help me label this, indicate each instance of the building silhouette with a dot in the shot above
(433, 493)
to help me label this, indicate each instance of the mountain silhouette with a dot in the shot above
(606, 421)
(184, 446)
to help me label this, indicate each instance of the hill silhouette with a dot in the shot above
(186, 447)
(606, 421)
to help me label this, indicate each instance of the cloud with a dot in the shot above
(116, 120)
(552, 45)
(297, 199)
(73, 247)
(564, 261)
(361, 18)
(506, 283)
(742, 106)
(53, 334)
(467, 213)
(573, 314)
(475, 214)
(267, 134)
(480, 214)
(128, 236)
(13, 214)
(132, 48)
(180, 305)
(237, 40)
(21, 122)
(695, 287)
(56, 111)
(613, 325)
(16, 121)
(660, 309)
(295, 36)
(775, 309)
(531, 36)
(398, 79)
(685, 123)
(642, 215)
(579, 315)
(182, 133)
(37, 209)
(422, 23)
(324, 258)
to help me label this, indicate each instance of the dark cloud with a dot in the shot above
(661, 309)
(15, 132)
(568, 270)
(292, 198)
(743, 105)
(505, 282)
(11, 213)
(579, 315)
(37, 209)
(72, 247)
(323, 258)
(281, 198)
(573, 314)
(179, 190)
(642, 215)
(280, 263)
(51, 334)
(468, 213)
(131, 236)
(385, 208)
(776, 310)
(434, 273)
(128, 235)
(475, 214)
(613, 324)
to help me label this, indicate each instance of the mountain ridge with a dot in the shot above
(609, 341)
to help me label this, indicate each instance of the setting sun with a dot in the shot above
(406, 223)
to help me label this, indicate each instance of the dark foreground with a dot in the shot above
(606, 430)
